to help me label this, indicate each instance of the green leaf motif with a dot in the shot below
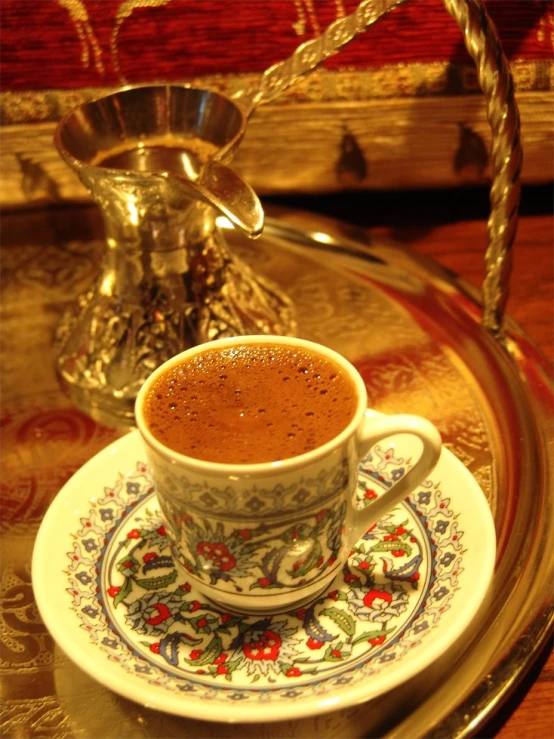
(234, 664)
(225, 628)
(127, 565)
(343, 620)
(155, 583)
(124, 592)
(309, 563)
(203, 623)
(212, 651)
(367, 635)
(330, 657)
(272, 586)
(249, 548)
(296, 532)
(392, 546)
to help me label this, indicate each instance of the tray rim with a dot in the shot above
(481, 699)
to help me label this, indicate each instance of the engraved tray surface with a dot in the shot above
(413, 331)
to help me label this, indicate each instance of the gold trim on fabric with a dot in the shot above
(322, 86)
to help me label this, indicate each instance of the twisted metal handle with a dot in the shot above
(496, 82)
(309, 55)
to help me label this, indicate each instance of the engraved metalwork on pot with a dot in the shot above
(153, 159)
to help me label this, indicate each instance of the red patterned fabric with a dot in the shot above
(93, 43)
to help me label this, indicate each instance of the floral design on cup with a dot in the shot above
(298, 552)
(264, 434)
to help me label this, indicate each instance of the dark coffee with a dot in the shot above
(250, 403)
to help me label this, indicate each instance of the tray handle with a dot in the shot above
(496, 82)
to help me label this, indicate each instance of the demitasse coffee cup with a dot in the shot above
(254, 443)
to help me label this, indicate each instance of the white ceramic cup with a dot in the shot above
(267, 537)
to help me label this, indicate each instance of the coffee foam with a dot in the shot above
(250, 403)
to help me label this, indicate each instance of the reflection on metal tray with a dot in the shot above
(414, 333)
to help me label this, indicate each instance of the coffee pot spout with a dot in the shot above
(222, 188)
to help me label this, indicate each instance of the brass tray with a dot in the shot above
(418, 327)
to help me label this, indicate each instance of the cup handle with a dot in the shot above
(376, 427)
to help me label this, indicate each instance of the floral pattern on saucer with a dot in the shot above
(142, 614)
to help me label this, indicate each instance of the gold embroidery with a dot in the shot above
(34, 717)
(79, 15)
(305, 8)
(546, 27)
(124, 11)
(420, 79)
(341, 12)
(26, 646)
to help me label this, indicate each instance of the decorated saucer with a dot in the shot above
(109, 593)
